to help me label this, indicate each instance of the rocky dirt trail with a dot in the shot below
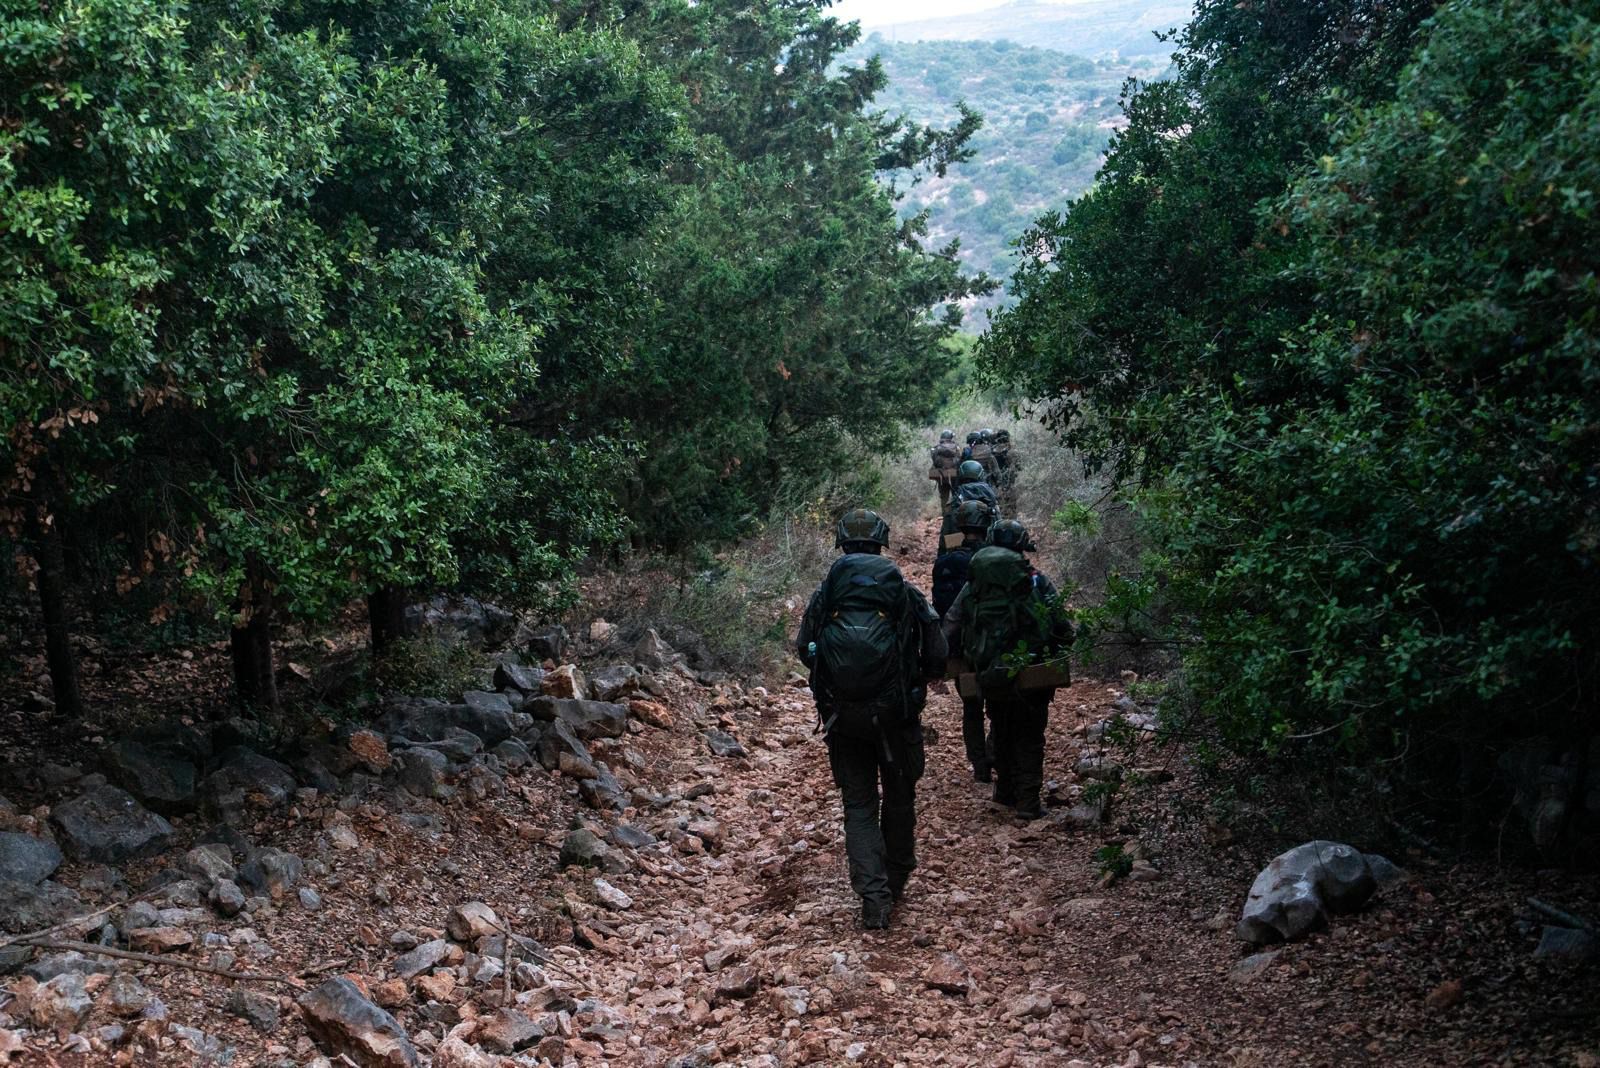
(669, 863)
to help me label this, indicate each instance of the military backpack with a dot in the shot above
(865, 645)
(1004, 620)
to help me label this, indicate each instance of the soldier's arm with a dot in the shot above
(808, 629)
(952, 624)
(934, 650)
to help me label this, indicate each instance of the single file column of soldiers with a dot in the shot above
(876, 646)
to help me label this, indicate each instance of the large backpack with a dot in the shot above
(864, 644)
(949, 575)
(1002, 612)
(946, 458)
(983, 452)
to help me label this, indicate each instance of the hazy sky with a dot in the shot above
(884, 12)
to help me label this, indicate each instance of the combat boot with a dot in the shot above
(875, 914)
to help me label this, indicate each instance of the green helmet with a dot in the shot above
(969, 471)
(972, 437)
(986, 435)
(1010, 534)
(862, 524)
(974, 515)
(947, 435)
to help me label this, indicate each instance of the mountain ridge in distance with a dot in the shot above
(1085, 27)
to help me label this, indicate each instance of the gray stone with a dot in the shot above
(207, 1049)
(419, 960)
(26, 859)
(310, 900)
(1254, 966)
(29, 906)
(247, 778)
(61, 1004)
(346, 1024)
(483, 701)
(653, 654)
(507, 1031)
(270, 871)
(614, 682)
(1296, 892)
(208, 865)
(1567, 945)
(628, 836)
(139, 914)
(588, 719)
(107, 825)
(51, 965)
(723, 744)
(424, 772)
(125, 996)
(459, 746)
(582, 849)
(546, 643)
(517, 677)
(514, 753)
(227, 898)
(260, 1010)
(603, 791)
(160, 780)
(558, 739)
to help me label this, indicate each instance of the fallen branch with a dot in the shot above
(164, 962)
(71, 921)
(1562, 916)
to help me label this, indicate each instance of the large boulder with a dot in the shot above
(653, 654)
(271, 871)
(466, 620)
(346, 1024)
(433, 721)
(425, 772)
(588, 719)
(247, 778)
(518, 678)
(106, 825)
(30, 906)
(545, 643)
(26, 859)
(1296, 893)
(557, 741)
(614, 682)
(162, 781)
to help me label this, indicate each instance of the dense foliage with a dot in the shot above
(307, 301)
(1333, 305)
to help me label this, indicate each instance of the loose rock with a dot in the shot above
(344, 1023)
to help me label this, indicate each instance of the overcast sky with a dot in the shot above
(885, 12)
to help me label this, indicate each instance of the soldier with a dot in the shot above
(970, 487)
(973, 519)
(873, 645)
(983, 453)
(946, 458)
(1005, 479)
(1008, 616)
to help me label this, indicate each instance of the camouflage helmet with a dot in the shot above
(969, 471)
(974, 515)
(947, 435)
(861, 524)
(986, 435)
(1010, 534)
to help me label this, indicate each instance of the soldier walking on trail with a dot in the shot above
(983, 453)
(873, 645)
(1009, 616)
(970, 486)
(946, 457)
(973, 519)
(1005, 478)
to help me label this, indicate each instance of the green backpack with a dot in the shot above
(1002, 612)
(863, 643)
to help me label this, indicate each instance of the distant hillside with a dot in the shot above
(1086, 27)
(1047, 118)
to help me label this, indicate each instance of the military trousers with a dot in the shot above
(1019, 720)
(975, 734)
(879, 791)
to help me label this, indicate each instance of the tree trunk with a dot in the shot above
(51, 582)
(386, 616)
(252, 650)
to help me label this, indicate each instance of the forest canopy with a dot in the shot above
(308, 302)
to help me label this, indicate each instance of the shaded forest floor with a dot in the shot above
(740, 939)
